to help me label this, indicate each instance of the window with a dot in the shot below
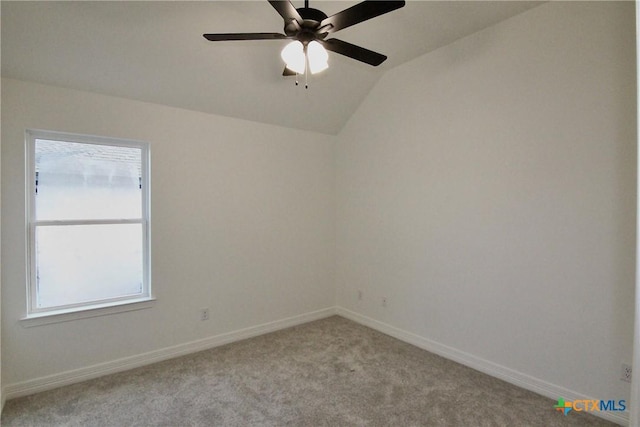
(88, 222)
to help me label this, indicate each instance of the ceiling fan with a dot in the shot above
(309, 28)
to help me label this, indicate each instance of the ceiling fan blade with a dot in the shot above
(244, 36)
(360, 12)
(287, 72)
(352, 51)
(286, 10)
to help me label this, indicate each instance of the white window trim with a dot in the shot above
(96, 310)
(35, 316)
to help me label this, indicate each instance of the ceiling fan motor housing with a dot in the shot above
(308, 31)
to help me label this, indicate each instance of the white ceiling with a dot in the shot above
(154, 51)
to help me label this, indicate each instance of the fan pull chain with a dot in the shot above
(306, 82)
(306, 68)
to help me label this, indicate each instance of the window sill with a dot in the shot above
(38, 319)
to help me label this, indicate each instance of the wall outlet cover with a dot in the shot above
(625, 373)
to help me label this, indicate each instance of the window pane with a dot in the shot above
(87, 181)
(83, 263)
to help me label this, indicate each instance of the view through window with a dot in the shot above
(89, 221)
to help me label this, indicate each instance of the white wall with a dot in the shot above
(487, 189)
(2, 396)
(242, 222)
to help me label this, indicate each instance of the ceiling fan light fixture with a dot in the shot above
(317, 56)
(293, 56)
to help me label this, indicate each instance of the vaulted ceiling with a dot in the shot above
(154, 52)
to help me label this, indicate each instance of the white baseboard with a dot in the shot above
(49, 382)
(509, 375)
(519, 379)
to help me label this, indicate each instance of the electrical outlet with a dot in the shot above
(625, 374)
(204, 314)
(384, 301)
(360, 295)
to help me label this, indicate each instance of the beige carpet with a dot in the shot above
(331, 372)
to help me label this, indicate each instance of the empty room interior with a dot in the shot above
(453, 192)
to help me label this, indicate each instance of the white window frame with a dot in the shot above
(37, 315)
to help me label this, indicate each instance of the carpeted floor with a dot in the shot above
(332, 372)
